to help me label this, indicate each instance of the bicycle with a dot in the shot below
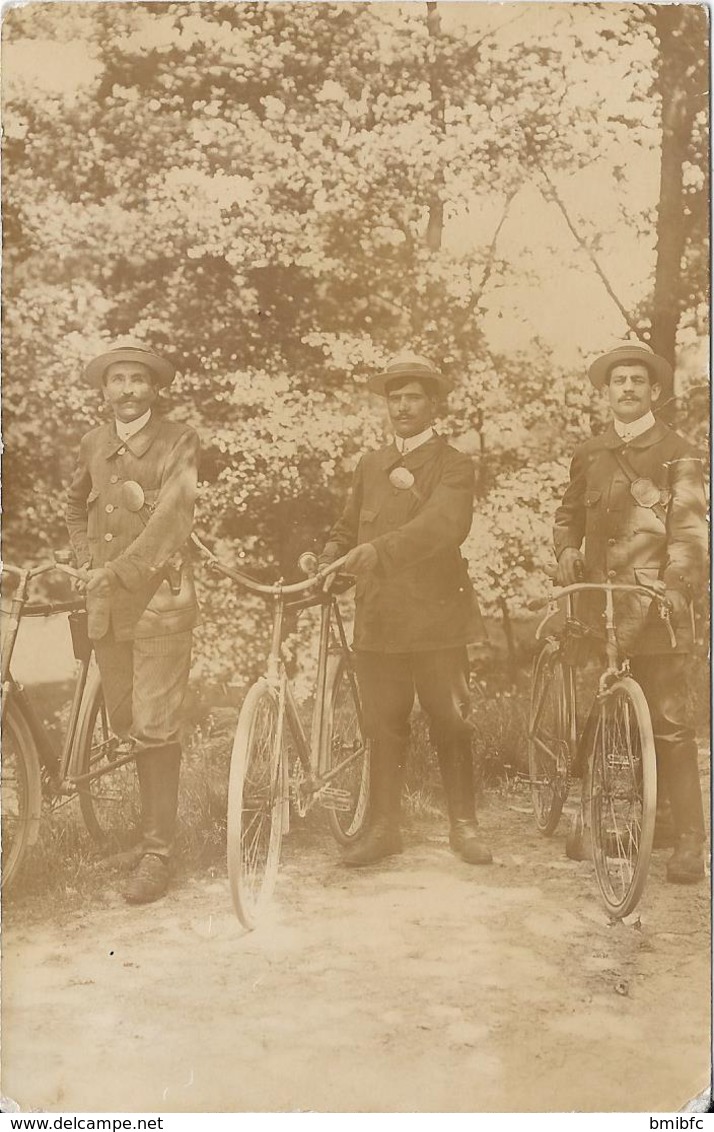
(33, 769)
(615, 750)
(275, 766)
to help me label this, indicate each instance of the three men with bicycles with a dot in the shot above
(636, 505)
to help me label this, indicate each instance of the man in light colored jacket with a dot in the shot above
(129, 515)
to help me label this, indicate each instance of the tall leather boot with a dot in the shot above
(158, 772)
(383, 837)
(456, 765)
(679, 767)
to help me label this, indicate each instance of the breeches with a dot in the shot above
(389, 681)
(144, 685)
(663, 679)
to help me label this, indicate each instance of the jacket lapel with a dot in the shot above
(652, 436)
(421, 455)
(610, 438)
(141, 441)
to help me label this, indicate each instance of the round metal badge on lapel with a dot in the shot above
(645, 491)
(132, 495)
(401, 478)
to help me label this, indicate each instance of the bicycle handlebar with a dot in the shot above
(43, 568)
(277, 588)
(601, 587)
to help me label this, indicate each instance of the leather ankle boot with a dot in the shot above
(149, 881)
(383, 837)
(381, 840)
(158, 772)
(465, 838)
(679, 766)
(686, 865)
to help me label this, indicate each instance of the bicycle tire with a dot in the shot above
(551, 736)
(257, 797)
(110, 805)
(623, 795)
(343, 739)
(20, 791)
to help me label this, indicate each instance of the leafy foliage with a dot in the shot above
(249, 188)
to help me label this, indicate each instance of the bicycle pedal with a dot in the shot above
(332, 798)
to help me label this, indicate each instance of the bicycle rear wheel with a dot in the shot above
(345, 755)
(623, 795)
(551, 736)
(110, 803)
(20, 790)
(257, 796)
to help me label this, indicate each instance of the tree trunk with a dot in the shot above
(675, 27)
(510, 642)
(435, 227)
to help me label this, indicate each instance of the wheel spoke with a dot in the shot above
(345, 765)
(622, 741)
(254, 805)
(549, 752)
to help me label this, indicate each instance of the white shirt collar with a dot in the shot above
(409, 443)
(130, 428)
(631, 429)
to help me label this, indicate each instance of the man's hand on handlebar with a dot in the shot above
(99, 583)
(361, 559)
(571, 567)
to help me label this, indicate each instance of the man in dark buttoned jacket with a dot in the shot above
(129, 515)
(409, 510)
(636, 498)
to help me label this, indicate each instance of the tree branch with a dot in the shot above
(582, 243)
(490, 261)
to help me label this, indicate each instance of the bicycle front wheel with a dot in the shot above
(257, 796)
(21, 791)
(345, 755)
(623, 795)
(110, 803)
(551, 736)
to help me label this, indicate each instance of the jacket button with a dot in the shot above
(108, 537)
(610, 541)
(114, 479)
(611, 574)
(109, 508)
(121, 451)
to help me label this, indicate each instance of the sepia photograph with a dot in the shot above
(355, 558)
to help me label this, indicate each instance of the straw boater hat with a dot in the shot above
(408, 365)
(633, 353)
(128, 350)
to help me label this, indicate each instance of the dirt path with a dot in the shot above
(421, 985)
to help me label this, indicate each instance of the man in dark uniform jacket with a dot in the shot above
(636, 498)
(409, 510)
(129, 515)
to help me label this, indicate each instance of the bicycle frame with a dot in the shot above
(615, 667)
(58, 767)
(308, 748)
